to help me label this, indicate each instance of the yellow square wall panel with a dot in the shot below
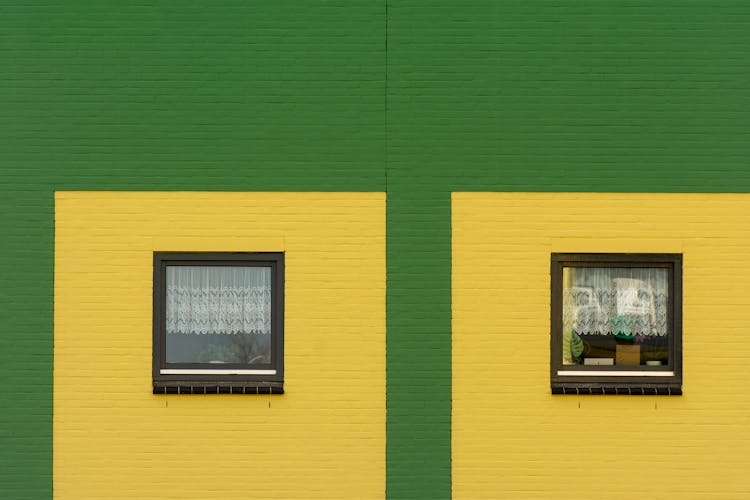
(323, 438)
(511, 438)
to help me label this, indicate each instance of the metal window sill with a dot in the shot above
(234, 387)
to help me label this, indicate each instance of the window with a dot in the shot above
(616, 322)
(218, 323)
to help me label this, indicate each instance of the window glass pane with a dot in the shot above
(615, 316)
(218, 314)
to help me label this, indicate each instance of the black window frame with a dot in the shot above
(668, 384)
(246, 383)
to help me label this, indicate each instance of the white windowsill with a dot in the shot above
(613, 373)
(177, 371)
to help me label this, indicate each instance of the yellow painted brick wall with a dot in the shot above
(324, 438)
(510, 437)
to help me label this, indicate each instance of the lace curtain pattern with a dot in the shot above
(626, 302)
(218, 299)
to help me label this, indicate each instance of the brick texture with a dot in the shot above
(536, 96)
(418, 98)
(511, 436)
(323, 438)
(157, 96)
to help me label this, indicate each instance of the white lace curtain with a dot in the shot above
(615, 301)
(218, 299)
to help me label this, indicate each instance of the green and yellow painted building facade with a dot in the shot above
(417, 162)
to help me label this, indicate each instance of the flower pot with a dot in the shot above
(628, 354)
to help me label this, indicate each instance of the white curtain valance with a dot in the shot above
(625, 302)
(218, 299)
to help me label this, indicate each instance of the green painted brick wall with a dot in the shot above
(158, 95)
(416, 98)
(536, 96)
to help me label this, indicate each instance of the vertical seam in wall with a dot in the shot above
(385, 100)
(385, 172)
